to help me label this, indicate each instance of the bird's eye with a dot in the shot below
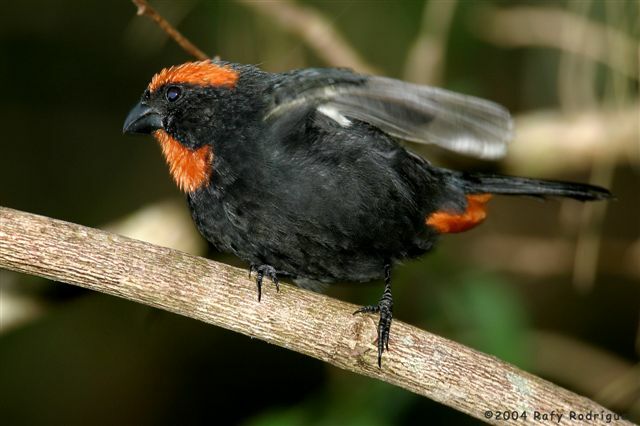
(173, 93)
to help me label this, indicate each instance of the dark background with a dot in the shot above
(553, 287)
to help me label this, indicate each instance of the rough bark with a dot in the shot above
(306, 322)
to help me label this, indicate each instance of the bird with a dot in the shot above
(307, 175)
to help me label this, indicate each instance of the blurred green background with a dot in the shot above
(553, 287)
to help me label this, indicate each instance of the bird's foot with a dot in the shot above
(262, 271)
(385, 308)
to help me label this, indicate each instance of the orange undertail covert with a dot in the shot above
(189, 168)
(202, 73)
(448, 223)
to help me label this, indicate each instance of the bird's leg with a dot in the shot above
(263, 270)
(385, 307)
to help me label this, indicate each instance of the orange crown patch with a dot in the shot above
(203, 73)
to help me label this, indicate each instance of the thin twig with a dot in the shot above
(144, 8)
(425, 60)
(565, 358)
(544, 27)
(306, 322)
(549, 141)
(315, 30)
(623, 390)
(543, 257)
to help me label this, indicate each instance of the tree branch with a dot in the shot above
(306, 322)
(144, 8)
(315, 29)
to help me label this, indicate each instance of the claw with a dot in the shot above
(259, 284)
(384, 329)
(368, 309)
(385, 308)
(263, 270)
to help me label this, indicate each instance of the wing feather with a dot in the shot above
(422, 114)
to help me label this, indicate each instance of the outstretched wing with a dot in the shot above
(411, 112)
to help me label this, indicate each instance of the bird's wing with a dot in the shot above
(411, 112)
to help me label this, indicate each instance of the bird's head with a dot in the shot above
(180, 107)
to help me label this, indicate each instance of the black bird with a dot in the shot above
(302, 175)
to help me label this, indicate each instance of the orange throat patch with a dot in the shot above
(190, 169)
(475, 214)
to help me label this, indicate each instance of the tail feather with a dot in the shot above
(480, 183)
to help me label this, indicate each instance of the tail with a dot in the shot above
(478, 188)
(480, 183)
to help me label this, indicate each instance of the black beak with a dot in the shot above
(142, 119)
